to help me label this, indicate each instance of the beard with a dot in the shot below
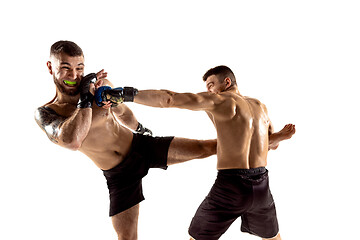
(64, 90)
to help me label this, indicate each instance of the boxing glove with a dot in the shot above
(114, 95)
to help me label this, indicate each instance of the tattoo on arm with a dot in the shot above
(49, 121)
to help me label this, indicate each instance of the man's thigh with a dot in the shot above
(126, 222)
(211, 221)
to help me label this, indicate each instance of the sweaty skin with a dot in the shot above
(242, 123)
(244, 130)
(97, 132)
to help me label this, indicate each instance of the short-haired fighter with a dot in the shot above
(72, 121)
(244, 135)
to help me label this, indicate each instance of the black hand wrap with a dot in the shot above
(143, 130)
(86, 98)
(129, 93)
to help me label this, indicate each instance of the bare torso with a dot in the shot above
(242, 126)
(107, 141)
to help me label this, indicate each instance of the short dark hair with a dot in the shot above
(221, 72)
(67, 47)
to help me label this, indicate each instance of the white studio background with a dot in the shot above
(300, 58)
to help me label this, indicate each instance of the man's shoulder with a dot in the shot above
(45, 109)
(256, 105)
(253, 100)
(239, 99)
(61, 110)
(47, 113)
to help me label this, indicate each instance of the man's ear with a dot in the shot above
(227, 82)
(49, 66)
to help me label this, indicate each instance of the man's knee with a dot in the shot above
(125, 223)
(127, 235)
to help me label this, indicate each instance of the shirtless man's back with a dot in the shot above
(243, 132)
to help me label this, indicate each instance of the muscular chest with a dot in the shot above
(101, 116)
(103, 131)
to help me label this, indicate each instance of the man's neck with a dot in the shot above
(233, 89)
(66, 99)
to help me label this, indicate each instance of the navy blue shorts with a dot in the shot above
(237, 193)
(125, 180)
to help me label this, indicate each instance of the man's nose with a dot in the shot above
(72, 74)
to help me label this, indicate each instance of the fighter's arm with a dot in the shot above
(286, 133)
(124, 113)
(276, 137)
(127, 118)
(71, 131)
(273, 140)
(67, 132)
(273, 143)
(204, 101)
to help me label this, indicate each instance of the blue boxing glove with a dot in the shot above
(100, 95)
(114, 95)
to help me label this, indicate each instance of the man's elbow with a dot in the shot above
(167, 100)
(72, 144)
(273, 146)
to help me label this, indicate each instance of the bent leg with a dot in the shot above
(125, 223)
(183, 149)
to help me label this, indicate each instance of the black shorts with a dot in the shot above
(125, 180)
(237, 193)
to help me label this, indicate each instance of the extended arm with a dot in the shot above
(127, 118)
(158, 98)
(167, 99)
(106, 97)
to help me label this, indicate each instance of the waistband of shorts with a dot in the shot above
(243, 172)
